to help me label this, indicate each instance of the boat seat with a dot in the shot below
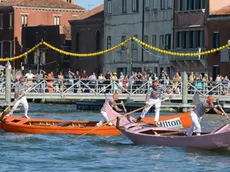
(64, 123)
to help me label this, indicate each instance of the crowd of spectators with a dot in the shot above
(60, 81)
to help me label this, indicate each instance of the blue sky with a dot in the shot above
(89, 4)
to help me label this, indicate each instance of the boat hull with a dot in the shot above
(148, 134)
(23, 126)
(46, 126)
(206, 141)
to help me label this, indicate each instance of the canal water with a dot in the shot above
(42, 153)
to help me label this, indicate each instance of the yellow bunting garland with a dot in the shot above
(113, 48)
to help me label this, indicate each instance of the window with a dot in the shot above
(187, 2)
(109, 7)
(184, 39)
(134, 43)
(156, 70)
(146, 39)
(77, 40)
(203, 3)
(24, 20)
(124, 6)
(216, 39)
(202, 39)
(56, 20)
(135, 5)
(109, 42)
(192, 4)
(10, 20)
(123, 38)
(179, 40)
(155, 4)
(170, 4)
(162, 4)
(191, 39)
(198, 4)
(154, 40)
(1, 21)
(147, 4)
(168, 41)
(180, 5)
(161, 41)
(98, 41)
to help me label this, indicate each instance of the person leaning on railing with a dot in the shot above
(176, 80)
(101, 80)
(192, 78)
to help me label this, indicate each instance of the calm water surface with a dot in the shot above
(27, 152)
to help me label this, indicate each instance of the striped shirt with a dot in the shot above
(201, 109)
(158, 90)
(20, 89)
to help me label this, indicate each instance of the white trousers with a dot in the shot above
(104, 119)
(157, 103)
(23, 101)
(195, 127)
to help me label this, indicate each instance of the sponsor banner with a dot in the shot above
(172, 123)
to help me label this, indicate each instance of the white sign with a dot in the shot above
(172, 123)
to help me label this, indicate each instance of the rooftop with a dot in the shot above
(222, 11)
(42, 4)
(90, 13)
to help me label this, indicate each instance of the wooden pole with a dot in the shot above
(185, 91)
(8, 83)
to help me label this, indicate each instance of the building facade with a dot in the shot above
(192, 33)
(218, 33)
(150, 21)
(14, 15)
(87, 37)
(44, 58)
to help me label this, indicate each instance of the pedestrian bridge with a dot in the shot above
(65, 89)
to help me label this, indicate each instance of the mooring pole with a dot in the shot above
(185, 92)
(8, 70)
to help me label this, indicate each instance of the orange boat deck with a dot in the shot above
(47, 126)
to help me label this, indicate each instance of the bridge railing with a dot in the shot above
(96, 87)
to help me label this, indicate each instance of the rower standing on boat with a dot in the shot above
(153, 97)
(112, 102)
(199, 111)
(20, 89)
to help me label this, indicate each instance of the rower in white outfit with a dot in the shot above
(153, 97)
(112, 102)
(20, 89)
(197, 114)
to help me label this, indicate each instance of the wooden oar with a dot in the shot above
(225, 114)
(126, 114)
(12, 104)
(122, 103)
(97, 127)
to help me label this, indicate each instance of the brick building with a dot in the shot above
(218, 34)
(48, 59)
(87, 37)
(16, 14)
(192, 33)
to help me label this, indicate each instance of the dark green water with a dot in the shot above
(26, 152)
